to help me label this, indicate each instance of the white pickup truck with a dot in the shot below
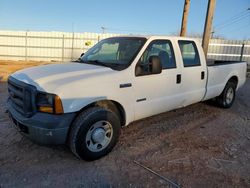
(121, 79)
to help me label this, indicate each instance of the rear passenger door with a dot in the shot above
(193, 78)
(157, 93)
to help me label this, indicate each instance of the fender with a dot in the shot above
(78, 105)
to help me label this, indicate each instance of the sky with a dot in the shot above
(160, 17)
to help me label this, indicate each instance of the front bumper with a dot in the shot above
(42, 128)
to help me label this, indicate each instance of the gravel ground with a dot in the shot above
(197, 146)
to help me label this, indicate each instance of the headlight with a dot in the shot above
(49, 103)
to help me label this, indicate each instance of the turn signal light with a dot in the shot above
(47, 109)
(58, 105)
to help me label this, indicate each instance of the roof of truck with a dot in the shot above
(156, 37)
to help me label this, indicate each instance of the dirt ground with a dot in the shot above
(8, 67)
(198, 146)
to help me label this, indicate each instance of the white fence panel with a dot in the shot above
(65, 46)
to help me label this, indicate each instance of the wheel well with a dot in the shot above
(234, 79)
(110, 105)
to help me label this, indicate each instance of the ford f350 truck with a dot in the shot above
(119, 80)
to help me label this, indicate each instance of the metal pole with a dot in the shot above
(173, 184)
(72, 47)
(208, 25)
(103, 29)
(184, 18)
(242, 52)
(26, 44)
(63, 48)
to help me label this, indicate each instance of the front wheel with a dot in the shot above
(227, 97)
(94, 133)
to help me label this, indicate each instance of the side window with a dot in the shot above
(161, 48)
(189, 52)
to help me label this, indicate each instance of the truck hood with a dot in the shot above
(49, 77)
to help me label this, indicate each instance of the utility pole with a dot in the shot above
(208, 25)
(184, 18)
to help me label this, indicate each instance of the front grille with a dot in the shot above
(21, 96)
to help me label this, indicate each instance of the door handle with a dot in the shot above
(202, 75)
(178, 78)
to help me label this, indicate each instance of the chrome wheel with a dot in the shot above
(229, 95)
(99, 136)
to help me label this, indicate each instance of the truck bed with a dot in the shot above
(220, 72)
(211, 62)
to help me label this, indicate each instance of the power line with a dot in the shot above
(239, 28)
(242, 13)
(233, 22)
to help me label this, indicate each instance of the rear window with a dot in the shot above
(189, 52)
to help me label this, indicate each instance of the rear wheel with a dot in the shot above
(94, 133)
(227, 97)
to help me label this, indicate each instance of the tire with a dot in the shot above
(94, 133)
(227, 97)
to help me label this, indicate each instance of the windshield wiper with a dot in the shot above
(95, 62)
(114, 66)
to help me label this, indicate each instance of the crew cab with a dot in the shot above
(119, 80)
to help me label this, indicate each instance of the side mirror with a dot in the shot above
(156, 66)
(153, 66)
(79, 59)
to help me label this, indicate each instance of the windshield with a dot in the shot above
(116, 53)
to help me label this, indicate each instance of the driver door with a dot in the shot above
(156, 93)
